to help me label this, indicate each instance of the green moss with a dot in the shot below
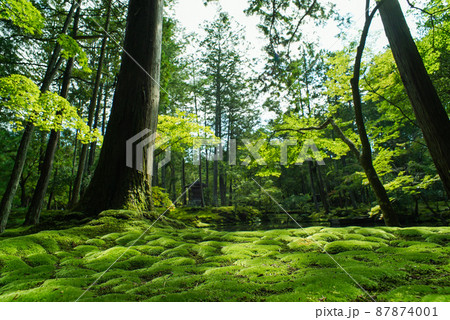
(350, 245)
(269, 242)
(121, 214)
(21, 246)
(44, 294)
(301, 244)
(380, 233)
(441, 239)
(176, 261)
(73, 272)
(413, 233)
(136, 262)
(165, 242)
(190, 264)
(40, 259)
(101, 260)
(111, 236)
(10, 263)
(328, 237)
(83, 250)
(131, 238)
(96, 242)
(353, 236)
(150, 250)
(409, 293)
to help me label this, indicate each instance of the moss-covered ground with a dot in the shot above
(173, 262)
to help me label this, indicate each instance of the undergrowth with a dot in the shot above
(173, 262)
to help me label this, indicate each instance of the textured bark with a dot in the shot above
(135, 108)
(93, 145)
(84, 148)
(430, 114)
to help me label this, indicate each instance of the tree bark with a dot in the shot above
(34, 211)
(84, 148)
(389, 215)
(93, 145)
(11, 189)
(430, 114)
(183, 179)
(135, 108)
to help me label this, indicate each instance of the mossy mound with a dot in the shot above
(172, 262)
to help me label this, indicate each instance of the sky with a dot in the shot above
(192, 13)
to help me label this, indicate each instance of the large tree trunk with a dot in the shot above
(11, 189)
(430, 114)
(34, 211)
(135, 108)
(92, 104)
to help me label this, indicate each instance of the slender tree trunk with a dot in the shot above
(183, 179)
(430, 114)
(52, 191)
(23, 192)
(313, 189)
(222, 185)
(84, 148)
(93, 145)
(322, 191)
(389, 215)
(105, 99)
(135, 108)
(207, 178)
(52, 67)
(34, 211)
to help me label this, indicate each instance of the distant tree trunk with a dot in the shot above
(230, 196)
(163, 177)
(389, 215)
(183, 180)
(430, 114)
(23, 192)
(222, 185)
(52, 191)
(172, 182)
(322, 189)
(207, 177)
(313, 189)
(105, 99)
(34, 211)
(135, 108)
(84, 148)
(52, 68)
(93, 145)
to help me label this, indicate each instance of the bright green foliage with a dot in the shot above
(23, 14)
(71, 48)
(182, 128)
(47, 111)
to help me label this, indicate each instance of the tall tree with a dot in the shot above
(37, 200)
(91, 110)
(135, 108)
(52, 68)
(430, 114)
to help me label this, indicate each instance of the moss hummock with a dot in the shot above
(172, 262)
